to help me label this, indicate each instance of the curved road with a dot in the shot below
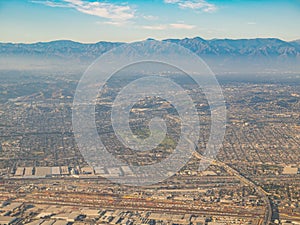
(233, 172)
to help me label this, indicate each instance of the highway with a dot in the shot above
(244, 180)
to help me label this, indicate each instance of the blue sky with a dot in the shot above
(91, 21)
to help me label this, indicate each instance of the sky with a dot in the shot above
(89, 21)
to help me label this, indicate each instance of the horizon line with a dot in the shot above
(149, 38)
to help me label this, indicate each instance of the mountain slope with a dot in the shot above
(214, 47)
(260, 55)
(61, 49)
(240, 47)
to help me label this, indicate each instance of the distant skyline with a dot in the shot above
(89, 21)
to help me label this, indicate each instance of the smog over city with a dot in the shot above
(162, 112)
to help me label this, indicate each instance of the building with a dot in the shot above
(42, 171)
(20, 171)
(290, 170)
(28, 171)
(7, 220)
(55, 171)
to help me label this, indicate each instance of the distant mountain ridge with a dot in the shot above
(240, 47)
(259, 55)
(61, 48)
(215, 47)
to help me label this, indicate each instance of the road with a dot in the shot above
(244, 180)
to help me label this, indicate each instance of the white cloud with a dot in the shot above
(50, 3)
(117, 23)
(155, 27)
(181, 26)
(194, 4)
(150, 18)
(101, 9)
(114, 23)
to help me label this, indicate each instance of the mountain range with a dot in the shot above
(224, 55)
